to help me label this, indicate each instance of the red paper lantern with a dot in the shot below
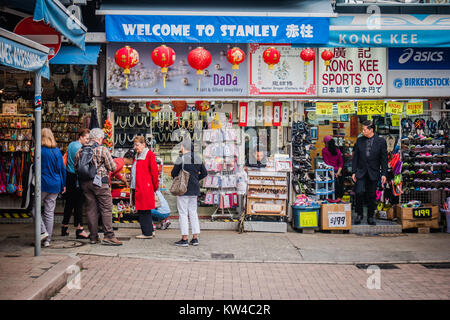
(202, 106)
(271, 56)
(154, 106)
(235, 56)
(164, 57)
(307, 55)
(327, 55)
(179, 106)
(126, 58)
(199, 59)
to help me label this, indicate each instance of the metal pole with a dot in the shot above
(37, 164)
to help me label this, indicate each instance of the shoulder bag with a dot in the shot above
(180, 182)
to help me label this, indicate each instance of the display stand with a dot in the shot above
(324, 181)
(267, 193)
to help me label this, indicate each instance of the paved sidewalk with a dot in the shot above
(106, 278)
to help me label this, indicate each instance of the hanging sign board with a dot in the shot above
(372, 107)
(324, 108)
(353, 72)
(394, 107)
(414, 108)
(395, 120)
(289, 77)
(347, 107)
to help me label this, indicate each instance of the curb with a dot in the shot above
(52, 281)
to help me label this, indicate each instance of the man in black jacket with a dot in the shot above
(369, 155)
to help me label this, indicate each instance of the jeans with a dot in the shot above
(187, 211)
(156, 216)
(146, 222)
(49, 200)
(74, 201)
(366, 188)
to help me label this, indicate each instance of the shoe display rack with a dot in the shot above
(301, 159)
(324, 182)
(267, 193)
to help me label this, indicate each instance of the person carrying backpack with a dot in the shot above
(93, 162)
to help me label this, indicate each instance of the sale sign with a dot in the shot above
(347, 107)
(324, 108)
(414, 108)
(366, 107)
(353, 72)
(394, 107)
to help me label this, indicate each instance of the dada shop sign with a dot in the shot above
(219, 29)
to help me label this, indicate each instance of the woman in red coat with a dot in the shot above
(144, 181)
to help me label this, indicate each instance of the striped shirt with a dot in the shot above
(103, 161)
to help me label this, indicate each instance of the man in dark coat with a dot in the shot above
(369, 156)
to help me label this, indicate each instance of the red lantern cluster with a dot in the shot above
(126, 58)
(271, 56)
(327, 55)
(163, 57)
(307, 55)
(235, 56)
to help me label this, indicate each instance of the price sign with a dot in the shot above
(346, 107)
(324, 108)
(371, 107)
(395, 120)
(337, 219)
(308, 219)
(394, 107)
(422, 213)
(414, 108)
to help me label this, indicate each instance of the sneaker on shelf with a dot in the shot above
(182, 243)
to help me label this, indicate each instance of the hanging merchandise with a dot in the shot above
(2, 179)
(153, 106)
(108, 140)
(199, 59)
(271, 56)
(243, 107)
(179, 106)
(235, 56)
(11, 186)
(276, 121)
(202, 106)
(268, 114)
(327, 55)
(164, 57)
(126, 58)
(19, 186)
(307, 55)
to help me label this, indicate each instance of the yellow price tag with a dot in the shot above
(347, 107)
(371, 107)
(308, 219)
(414, 108)
(396, 120)
(324, 108)
(394, 107)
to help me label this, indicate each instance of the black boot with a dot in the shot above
(358, 220)
(64, 231)
(79, 236)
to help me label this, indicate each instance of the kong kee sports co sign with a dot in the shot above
(216, 29)
(353, 72)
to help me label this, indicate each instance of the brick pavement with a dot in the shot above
(146, 279)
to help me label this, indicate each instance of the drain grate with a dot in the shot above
(445, 265)
(383, 266)
(222, 256)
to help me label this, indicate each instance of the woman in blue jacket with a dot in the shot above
(53, 181)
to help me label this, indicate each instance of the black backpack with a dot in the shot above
(86, 168)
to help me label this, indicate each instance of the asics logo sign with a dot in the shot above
(420, 56)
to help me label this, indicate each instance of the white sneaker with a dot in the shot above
(44, 236)
(46, 243)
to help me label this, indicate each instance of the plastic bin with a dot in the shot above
(305, 217)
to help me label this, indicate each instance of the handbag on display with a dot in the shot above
(180, 182)
(11, 187)
(2, 180)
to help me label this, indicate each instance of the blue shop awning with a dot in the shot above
(54, 13)
(74, 55)
(24, 54)
(233, 21)
(390, 30)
